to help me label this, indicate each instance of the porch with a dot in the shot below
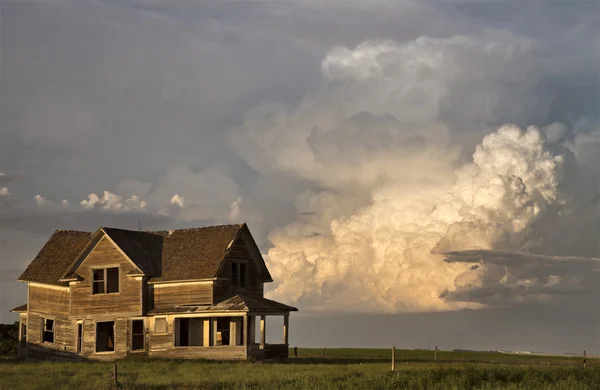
(236, 328)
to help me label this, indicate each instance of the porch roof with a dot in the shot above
(20, 309)
(236, 303)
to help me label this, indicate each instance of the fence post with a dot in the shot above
(435, 355)
(393, 358)
(584, 359)
(323, 354)
(115, 375)
(295, 351)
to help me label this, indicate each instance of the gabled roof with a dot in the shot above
(163, 256)
(63, 247)
(191, 254)
(136, 245)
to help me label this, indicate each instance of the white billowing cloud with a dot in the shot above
(4, 192)
(178, 200)
(378, 138)
(113, 202)
(384, 256)
(41, 201)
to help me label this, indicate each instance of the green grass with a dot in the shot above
(344, 369)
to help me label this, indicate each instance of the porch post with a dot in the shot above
(286, 327)
(245, 330)
(233, 331)
(214, 331)
(263, 325)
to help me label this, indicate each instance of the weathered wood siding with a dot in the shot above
(121, 339)
(52, 303)
(128, 301)
(239, 252)
(169, 295)
(220, 352)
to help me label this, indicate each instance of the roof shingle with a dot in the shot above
(56, 256)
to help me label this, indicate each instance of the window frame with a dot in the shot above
(105, 284)
(43, 330)
(114, 322)
(154, 331)
(143, 334)
(79, 346)
(239, 281)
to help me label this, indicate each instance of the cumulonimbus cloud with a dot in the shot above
(378, 137)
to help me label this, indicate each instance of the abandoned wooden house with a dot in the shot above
(189, 293)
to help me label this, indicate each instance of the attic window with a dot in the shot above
(105, 280)
(238, 274)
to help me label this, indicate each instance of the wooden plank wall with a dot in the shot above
(166, 296)
(220, 352)
(122, 332)
(128, 301)
(52, 303)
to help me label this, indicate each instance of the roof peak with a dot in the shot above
(239, 225)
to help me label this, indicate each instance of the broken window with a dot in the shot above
(242, 274)
(238, 274)
(47, 330)
(105, 280)
(79, 337)
(105, 336)
(160, 325)
(234, 273)
(223, 324)
(137, 335)
(23, 335)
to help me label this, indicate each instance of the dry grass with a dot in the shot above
(337, 372)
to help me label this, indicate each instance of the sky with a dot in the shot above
(415, 173)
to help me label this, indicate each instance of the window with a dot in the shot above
(105, 336)
(47, 330)
(105, 280)
(238, 274)
(242, 274)
(160, 325)
(137, 335)
(234, 274)
(23, 335)
(79, 337)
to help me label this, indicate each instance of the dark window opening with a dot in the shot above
(184, 332)
(98, 283)
(239, 274)
(23, 335)
(234, 274)
(105, 336)
(79, 337)
(112, 280)
(223, 324)
(137, 335)
(190, 331)
(105, 280)
(48, 329)
(243, 274)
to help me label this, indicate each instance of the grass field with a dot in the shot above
(340, 369)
